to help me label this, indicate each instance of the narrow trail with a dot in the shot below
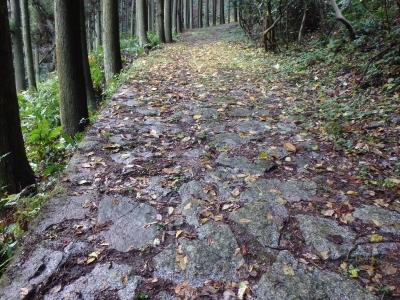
(192, 184)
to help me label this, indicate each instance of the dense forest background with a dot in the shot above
(68, 57)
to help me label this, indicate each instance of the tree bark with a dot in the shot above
(191, 22)
(18, 46)
(303, 20)
(221, 12)
(150, 15)
(214, 12)
(15, 171)
(141, 21)
(179, 21)
(98, 27)
(207, 13)
(133, 18)
(26, 29)
(37, 64)
(160, 20)
(200, 13)
(339, 16)
(235, 12)
(73, 105)
(112, 52)
(91, 99)
(167, 21)
(174, 16)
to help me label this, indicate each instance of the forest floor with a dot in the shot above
(206, 177)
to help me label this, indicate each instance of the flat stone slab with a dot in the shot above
(36, 270)
(226, 181)
(272, 189)
(289, 280)
(243, 164)
(251, 127)
(192, 196)
(389, 221)
(315, 231)
(262, 220)
(103, 277)
(228, 140)
(274, 152)
(211, 257)
(62, 208)
(128, 223)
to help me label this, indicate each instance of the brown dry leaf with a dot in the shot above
(287, 269)
(280, 200)
(124, 279)
(244, 221)
(290, 147)
(90, 260)
(329, 213)
(243, 290)
(168, 171)
(116, 202)
(370, 269)
(235, 192)
(179, 287)
(178, 233)
(187, 206)
(219, 217)
(348, 218)
(388, 269)
(182, 262)
(351, 193)
(376, 222)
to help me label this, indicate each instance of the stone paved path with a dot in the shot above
(187, 188)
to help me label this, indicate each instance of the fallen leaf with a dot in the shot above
(280, 200)
(196, 117)
(125, 279)
(235, 192)
(154, 133)
(376, 222)
(187, 206)
(329, 212)
(287, 269)
(244, 221)
(290, 147)
(56, 289)
(369, 269)
(116, 202)
(179, 287)
(90, 260)
(352, 193)
(262, 155)
(178, 233)
(388, 269)
(170, 210)
(243, 289)
(376, 238)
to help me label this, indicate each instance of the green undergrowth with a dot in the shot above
(48, 150)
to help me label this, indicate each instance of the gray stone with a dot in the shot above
(155, 188)
(36, 270)
(375, 124)
(226, 181)
(315, 230)
(243, 164)
(103, 277)
(192, 196)
(275, 152)
(229, 139)
(165, 296)
(240, 112)
(203, 260)
(128, 223)
(272, 189)
(250, 126)
(61, 208)
(306, 285)
(262, 220)
(194, 153)
(389, 221)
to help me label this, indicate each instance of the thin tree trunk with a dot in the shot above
(303, 20)
(160, 20)
(73, 106)
(98, 28)
(200, 13)
(235, 11)
(207, 13)
(26, 29)
(187, 14)
(167, 21)
(15, 171)
(221, 12)
(339, 16)
(37, 65)
(112, 52)
(133, 18)
(91, 99)
(179, 21)
(89, 35)
(191, 21)
(141, 21)
(174, 16)
(214, 12)
(18, 46)
(150, 17)
(229, 11)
